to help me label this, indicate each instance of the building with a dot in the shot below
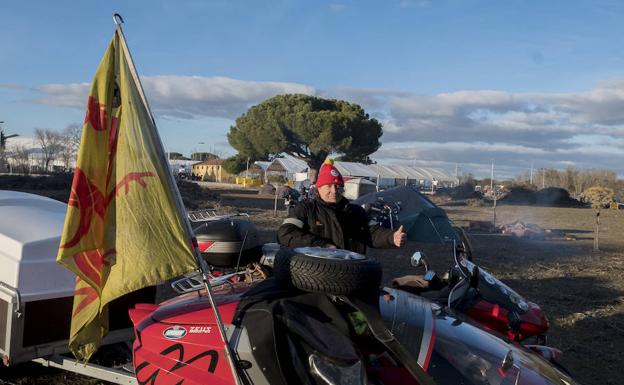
(31, 160)
(256, 171)
(427, 178)
(287, 167)
(397, 175)
(211, 170)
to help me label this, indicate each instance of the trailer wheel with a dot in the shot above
(332, 271)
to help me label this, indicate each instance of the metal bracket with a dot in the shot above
(194, 282)
(10, 290)
(117, 19)
(211, 214)
(96, 371)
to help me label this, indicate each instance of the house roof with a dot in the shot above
(291, 164)
(353, 169)
(403, 172)
(262, 164)
(182, 162)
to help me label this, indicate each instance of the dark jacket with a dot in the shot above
(345, 225)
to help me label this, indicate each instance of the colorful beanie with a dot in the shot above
(329, 174)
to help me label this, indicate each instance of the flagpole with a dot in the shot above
(118, 20)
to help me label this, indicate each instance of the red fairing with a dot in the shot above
(180, 341)
(140, 311)
(493, 317)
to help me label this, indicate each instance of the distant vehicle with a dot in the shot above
(183, 173)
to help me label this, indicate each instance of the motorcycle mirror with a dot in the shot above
(419, 259)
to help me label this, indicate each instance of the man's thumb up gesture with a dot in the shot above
(399, 237)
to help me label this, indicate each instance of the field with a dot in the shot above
(580, 290)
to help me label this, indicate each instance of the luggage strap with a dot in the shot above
(385, 336)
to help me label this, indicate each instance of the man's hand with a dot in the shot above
(330, 246)
(399, 237)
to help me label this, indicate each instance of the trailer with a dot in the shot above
(36, 294)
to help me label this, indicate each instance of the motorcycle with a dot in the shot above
(302, 326)
(291, 198)
(476, 292)
(467, 287)
(384, 213)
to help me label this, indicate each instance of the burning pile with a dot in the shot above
(530, 231)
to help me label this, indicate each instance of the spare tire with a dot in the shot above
(332, 271)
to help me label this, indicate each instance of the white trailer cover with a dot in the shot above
(36, 294)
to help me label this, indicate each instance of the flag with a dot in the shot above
(124, 228)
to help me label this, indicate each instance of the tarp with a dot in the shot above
(422, 220)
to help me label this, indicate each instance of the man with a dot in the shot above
(329, 220)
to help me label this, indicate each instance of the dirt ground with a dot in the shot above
(580, 290)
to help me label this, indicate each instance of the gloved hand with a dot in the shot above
(411, 283)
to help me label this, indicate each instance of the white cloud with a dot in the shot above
(585, 129)
(185, 96)
(64, 95)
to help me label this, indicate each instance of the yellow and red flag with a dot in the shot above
(124, 228)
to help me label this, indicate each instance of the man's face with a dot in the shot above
(330, 193)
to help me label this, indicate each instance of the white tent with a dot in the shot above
(355, 170)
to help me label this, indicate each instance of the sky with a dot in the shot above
(463, 83)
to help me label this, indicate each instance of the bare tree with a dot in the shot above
(71, 142)
(51, 143)
(20, 156)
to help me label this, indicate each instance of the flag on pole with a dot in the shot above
(124, 228)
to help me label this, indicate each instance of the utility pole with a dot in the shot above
(457, 173)
(543, 176)
(246, 174)
(531, 175)
(492, 178)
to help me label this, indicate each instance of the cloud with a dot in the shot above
(191, 96)
(186, 97)
(585, 129)
(64, 95)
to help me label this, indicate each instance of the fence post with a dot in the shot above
(275, 206)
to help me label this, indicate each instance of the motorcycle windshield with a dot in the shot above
(458, 353)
